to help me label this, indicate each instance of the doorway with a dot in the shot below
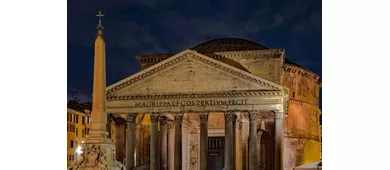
(216, 145)
(265, 150)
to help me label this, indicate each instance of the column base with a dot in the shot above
(97, 157)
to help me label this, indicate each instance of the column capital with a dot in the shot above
(171, 124)
(204, 116)
(278, 114)
(163, 120)
(234, 119)
(119, 121)
(131, 117)
(230, 116)
(252, 115)
(154, 117)
(178, 117)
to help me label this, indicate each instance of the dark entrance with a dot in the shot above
(215, 158)
(266, 151)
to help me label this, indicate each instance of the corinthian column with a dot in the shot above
(229, 117)
(178, 144)
(171, 144)
(153, 142)
(203, 140)
(119, 139)
(234, 140)
(278, 140)
(130, 141)
(252, 140)
(163, 142)
(239, 150)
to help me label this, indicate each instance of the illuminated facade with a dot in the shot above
(78, 127)
(211, 85)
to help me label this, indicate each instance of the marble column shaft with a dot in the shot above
(244, 142)
(239, 150)
(203, 140)
(119, 141)
(228, 157)
(130, 141)
(164, 143)
(234, 141)
(252, 140)
(278, 118)
(153, 141)
(178, 141)
(171, 144)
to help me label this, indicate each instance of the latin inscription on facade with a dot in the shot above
(199, 103)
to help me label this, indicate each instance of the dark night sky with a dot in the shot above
(135, 27)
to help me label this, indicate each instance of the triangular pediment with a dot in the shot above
(189, 72)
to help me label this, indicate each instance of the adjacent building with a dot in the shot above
(78, 127)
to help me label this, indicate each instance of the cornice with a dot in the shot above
(273, 53)
(302, 71)
(171, 96)
(180, 57)
(73, 111)
(153, 58)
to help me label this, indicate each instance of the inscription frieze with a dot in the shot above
(183, 103)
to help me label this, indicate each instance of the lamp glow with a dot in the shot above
(78, 150)
(135, 157)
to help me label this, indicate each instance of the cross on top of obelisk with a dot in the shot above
(100, 26)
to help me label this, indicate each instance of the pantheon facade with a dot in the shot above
(226, 103)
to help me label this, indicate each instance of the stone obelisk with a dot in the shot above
(98, 149)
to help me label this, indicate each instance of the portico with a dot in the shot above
(181, 94)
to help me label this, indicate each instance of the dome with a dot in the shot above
(227, 44)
